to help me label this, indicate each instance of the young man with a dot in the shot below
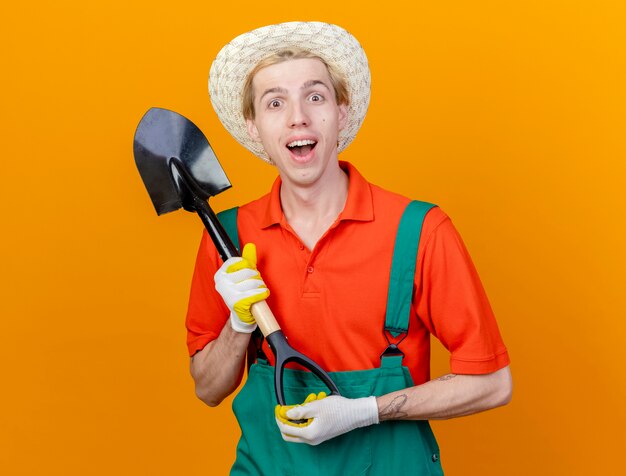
(295, 95)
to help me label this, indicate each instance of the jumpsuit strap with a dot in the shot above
(400, 294)
(228, 219)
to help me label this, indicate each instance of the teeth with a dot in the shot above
(300, 143)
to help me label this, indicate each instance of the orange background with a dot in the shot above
(510, 115)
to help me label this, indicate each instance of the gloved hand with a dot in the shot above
(327, 417)
(240, 285)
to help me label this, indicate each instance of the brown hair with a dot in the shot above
(337, 79)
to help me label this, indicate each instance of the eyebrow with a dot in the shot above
(314, 82)
(278, 89)
(272, 91)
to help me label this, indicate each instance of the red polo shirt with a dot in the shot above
(330, 301)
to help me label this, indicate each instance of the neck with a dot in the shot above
(310, 211)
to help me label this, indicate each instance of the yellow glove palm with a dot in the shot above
(280, 411)
(248, 261)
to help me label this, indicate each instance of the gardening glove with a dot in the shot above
(240, 285)
(327, 417)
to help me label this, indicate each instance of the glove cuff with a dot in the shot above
(239, 326)
(369, 411)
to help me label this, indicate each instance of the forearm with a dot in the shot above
(447, 397)
(218, 368)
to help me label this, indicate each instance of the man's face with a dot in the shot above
(297, 119)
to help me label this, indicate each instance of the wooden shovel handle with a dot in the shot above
(264, 318)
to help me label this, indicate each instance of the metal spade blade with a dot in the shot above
(164, 137)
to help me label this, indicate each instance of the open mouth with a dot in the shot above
(301, 148)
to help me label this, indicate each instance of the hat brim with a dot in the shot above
(237, 59)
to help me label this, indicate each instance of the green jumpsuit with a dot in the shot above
(389, 448)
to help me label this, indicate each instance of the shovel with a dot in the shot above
(180, 170)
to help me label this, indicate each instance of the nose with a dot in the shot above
(297, 115)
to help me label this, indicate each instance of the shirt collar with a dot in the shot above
(358, 206)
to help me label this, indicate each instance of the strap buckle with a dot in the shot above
(393, 343)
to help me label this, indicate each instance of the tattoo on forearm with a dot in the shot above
(446, 377)
(394, 409)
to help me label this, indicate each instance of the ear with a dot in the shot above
(253, 132)
(343, 116)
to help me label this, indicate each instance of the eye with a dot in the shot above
(316, 97)
(274, 103)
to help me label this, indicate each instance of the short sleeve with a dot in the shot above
(206, 312)
(451, 302)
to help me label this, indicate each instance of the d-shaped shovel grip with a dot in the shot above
(284, 354)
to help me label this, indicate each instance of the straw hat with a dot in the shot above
(238, 58)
